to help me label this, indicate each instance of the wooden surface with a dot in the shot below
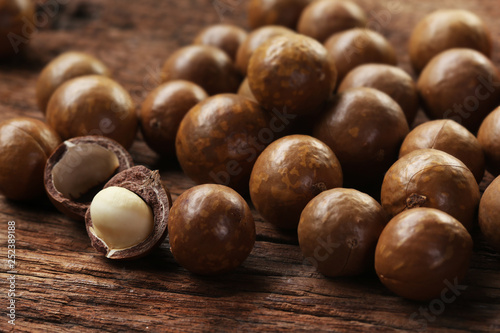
(62, 284)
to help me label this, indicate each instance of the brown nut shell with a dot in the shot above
(421, 253)
(446, 29)
(434, 179)
(365, 128)
(78, 168)
(293, 72)
(226, 37)
(25, 146)
(147, 185)
(16, 15)
(461, 85)
(489, 214)
(275, 12)
(391, 80)
(63, 68)
(354, 47)
(207, 66)
(323, 18)
(450, 137)
(489, 139)
(93, 105)
(162, 111)
(338, 231)
(211, 229)
(288, 174)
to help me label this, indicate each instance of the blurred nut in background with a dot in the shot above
(275, 12)
(15, 16)
(245, 91)
(226, 37)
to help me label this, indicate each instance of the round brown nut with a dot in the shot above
(63, 68)
(220, 138)
(127, 219)
(211, 229)
(245, 91)
(226, 37)
(450, 137)
(255, 39)
(391, 80)
(421, 252)
(446, 29)
(277, 12)
(354, 47)
(93, 105)
(434, 179)
(207, 66)
(338, 231)
(288, 174)
(292, 72)
(458, 84)
(79, 168)
(25, 145)
(365, 129)
(16, 15)
(489, 139)
(323, 18)
(489, 214)
(163, 110)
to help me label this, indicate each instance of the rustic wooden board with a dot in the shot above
(62, 284)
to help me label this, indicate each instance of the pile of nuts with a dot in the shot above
(286, 119)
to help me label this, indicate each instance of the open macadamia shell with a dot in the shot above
(489, 214)
(148, 186)
(489, 139)
(434, 179)
(78, 168)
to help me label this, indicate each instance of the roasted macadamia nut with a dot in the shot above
(489, 139)
(288, 174)
(391, 80)
(275, 12)
(63, 68)
(354, 47)
(93, 105)
(226, 37)
(211, 229)
(128, 218)
(293, 72)
(421, 252)
(450, 137)
(489, 214)
(14, 15)
(338, 231)
(459, 84)
(25, 146)
(446, 29)
(80, 167)
(434, 179)
(323, 18)
(162, 112)
(207, 66)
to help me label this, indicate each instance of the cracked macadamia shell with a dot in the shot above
(220, 138)
(63, 68)
(275, 12)
(79, 168)
(293, 72)
(148, 186)
(446, 29)
(15, 14)
(25, 146)
(489, 214)
(338, 231)
(434, 179)
(421, 252)
(211, 229)
(226, 37)
(93, 105)
(288, 174)
(461, 85)
(365, 128)
(162, 112)
(391, 80)
(205, 65)
(489, 139)
(450, 137)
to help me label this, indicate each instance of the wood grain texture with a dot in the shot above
(64, 285)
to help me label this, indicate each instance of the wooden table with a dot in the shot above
(63, 284)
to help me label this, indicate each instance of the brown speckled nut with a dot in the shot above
(421, 252)
(278, 12)
(211, 229)
(489, 214)
(226, 37)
